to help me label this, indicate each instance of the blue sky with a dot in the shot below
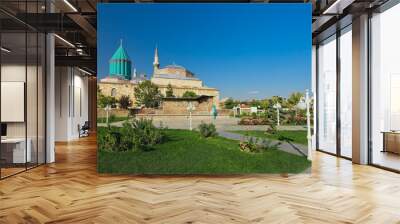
(247, 51)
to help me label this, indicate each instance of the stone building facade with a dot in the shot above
(180, 79)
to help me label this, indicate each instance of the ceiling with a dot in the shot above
(75, 21)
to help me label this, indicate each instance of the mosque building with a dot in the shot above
(120, 81)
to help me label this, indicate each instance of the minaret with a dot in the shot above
(156, 64)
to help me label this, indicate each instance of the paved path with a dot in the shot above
(296, 149)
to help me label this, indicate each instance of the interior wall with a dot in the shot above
(71, 102)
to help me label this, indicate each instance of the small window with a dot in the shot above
(113, 92)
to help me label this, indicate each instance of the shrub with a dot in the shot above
(108, 139)
(252, 121)
(112, 118)
(249, 145)
(169, 92)
(257, 145)
(189, 94)
(272, 129)
(141, 134)
(134, 135)
(124, 102)
(207, 130)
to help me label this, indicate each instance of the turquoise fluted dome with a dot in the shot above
(120, 64)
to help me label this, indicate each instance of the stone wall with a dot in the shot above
(127, 88)
(202, 107)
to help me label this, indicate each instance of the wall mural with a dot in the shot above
(204, 89)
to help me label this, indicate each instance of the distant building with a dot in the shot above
(120, 81)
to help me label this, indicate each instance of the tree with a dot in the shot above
(255, 103)
(294, 99)
(169, 92)
(277, 99)
(103, 101)
(124, 102)
(265, 104)
(189, 94)
(147, 94)
(230, 103)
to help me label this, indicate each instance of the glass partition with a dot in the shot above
(327, 95)
(22, 77)
(14, 153)
(346, 92)
(385, 89)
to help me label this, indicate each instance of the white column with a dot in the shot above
(360, 90)
(50, 101)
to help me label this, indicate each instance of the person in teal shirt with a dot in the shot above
(214, 112)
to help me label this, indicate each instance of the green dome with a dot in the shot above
(120, 64)
(120, 54)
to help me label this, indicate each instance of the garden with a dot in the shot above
(141, 148)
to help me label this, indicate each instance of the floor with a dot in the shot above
(70, 191)
(10, 171)
(386, 159)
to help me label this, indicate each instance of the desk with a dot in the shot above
(391, 141)
(15, 148)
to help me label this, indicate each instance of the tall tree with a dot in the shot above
(147, 94)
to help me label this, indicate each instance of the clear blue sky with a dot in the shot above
(245, 50)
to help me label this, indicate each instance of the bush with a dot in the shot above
(272, 129)
(189, 94)
(249, 145)
(108, 139)
(207, 130)
(169, 92)
(124, 102)
(253, 121)
(141, 134)
(134, 135)
(257, 145)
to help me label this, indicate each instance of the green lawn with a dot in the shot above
(186, 152)
(111, 119)
(299, 137)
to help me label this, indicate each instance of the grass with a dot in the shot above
(299, 137)
(111, 119)
(186, 152)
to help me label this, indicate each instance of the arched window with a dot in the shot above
(113, 92)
